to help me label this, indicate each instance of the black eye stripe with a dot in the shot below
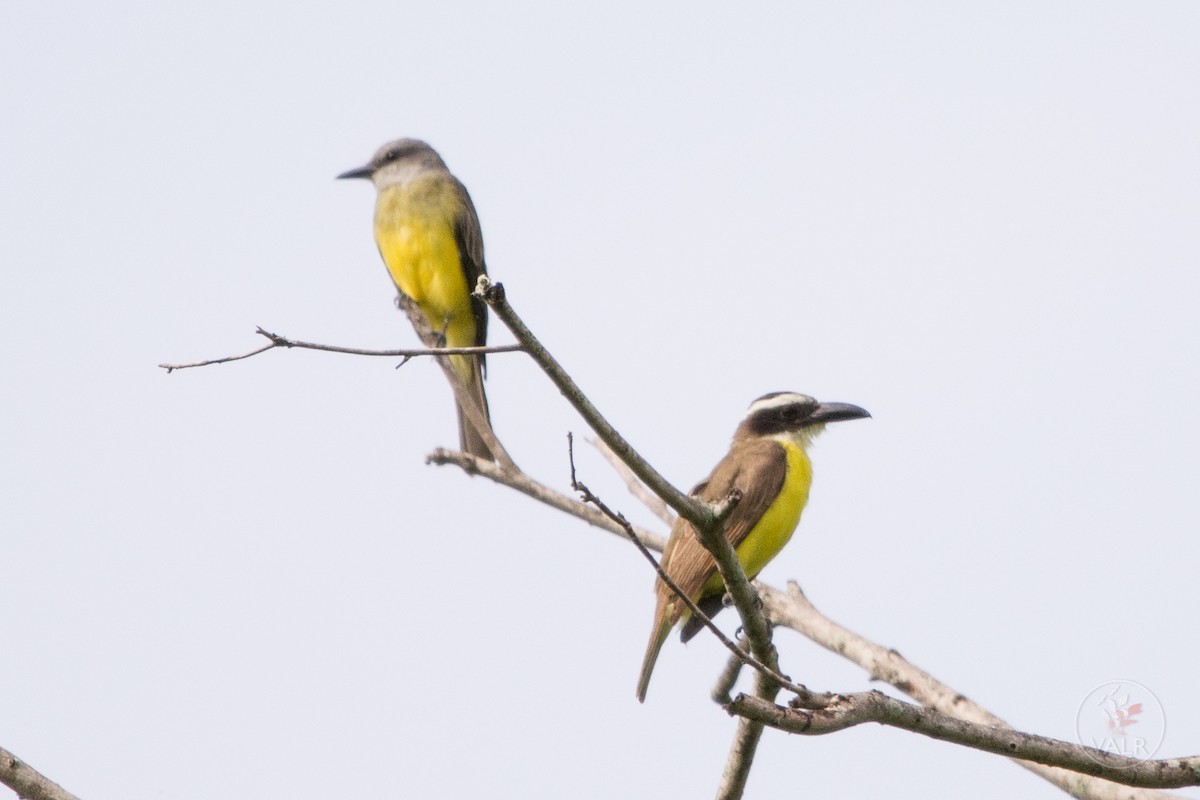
(780, 418)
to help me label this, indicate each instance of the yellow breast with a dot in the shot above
(776, 527)
(414, 228)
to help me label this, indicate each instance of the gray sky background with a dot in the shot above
(979, 222)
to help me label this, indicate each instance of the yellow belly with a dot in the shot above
(414, 228)
(777, 525)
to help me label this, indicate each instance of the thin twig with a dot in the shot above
(282, 341)
(172, 367)
(728, 677)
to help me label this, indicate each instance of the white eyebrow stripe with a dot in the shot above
(779, 401)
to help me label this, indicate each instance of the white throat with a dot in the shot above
(396, 173)
(802, 438)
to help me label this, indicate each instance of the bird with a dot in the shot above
(428, 234)
(768, 463)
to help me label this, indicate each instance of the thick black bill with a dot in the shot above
(837, 412)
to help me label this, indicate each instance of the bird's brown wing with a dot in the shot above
(757, 468)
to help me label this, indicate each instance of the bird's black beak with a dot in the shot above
(358, 172)
(837, 412)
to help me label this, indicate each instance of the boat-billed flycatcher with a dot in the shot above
(428, 234)
(768, 462)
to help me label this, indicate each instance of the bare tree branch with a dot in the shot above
(740, 759)
(944, 714)
(515, 479)
(737, 586)
(707, 520)
(27, 782)
(709, 523)
(688, 507)
(874, 706)
(282, 341)
(767, 681)
(792, 609)
(761, 710)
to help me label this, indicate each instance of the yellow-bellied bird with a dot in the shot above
(768, 462)
(428, 234)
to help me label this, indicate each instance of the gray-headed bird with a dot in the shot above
(428, 234)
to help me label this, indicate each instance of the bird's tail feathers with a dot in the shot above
(658, 635)
(469, 439)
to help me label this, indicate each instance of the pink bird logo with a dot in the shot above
(1120, 713)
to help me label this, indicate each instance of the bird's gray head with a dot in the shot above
(792, 415)
(397, 162)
